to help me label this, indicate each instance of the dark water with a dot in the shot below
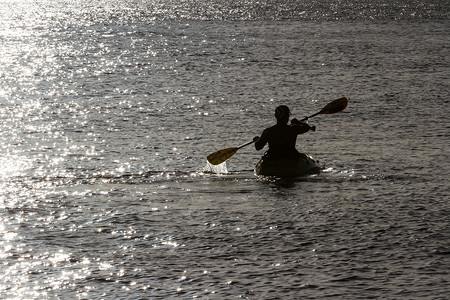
(109, 108)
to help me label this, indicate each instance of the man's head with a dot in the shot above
(282, 113)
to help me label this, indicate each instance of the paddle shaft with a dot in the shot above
(246, 144)
(306, 118)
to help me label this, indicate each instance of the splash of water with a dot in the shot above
(216, 169)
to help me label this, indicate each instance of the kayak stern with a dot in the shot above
(305, 165)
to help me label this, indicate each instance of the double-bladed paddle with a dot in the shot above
(220, 156)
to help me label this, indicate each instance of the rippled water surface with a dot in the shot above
(109, 108)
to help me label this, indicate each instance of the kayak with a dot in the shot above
(305, 165)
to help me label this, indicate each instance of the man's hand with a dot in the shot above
(295, 122)
(256, 138)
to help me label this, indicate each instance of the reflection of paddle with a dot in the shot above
(220, 156)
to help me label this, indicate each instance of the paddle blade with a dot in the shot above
(220, 156)
(335, 106)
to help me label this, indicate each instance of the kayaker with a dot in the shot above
(282, 136)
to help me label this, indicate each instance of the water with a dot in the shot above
(109, 108)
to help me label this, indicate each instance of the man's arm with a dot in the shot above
(301, 127)
(260, 142)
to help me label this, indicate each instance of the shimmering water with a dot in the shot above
(109, 108)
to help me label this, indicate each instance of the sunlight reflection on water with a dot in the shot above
(108, 109)
(13, 165)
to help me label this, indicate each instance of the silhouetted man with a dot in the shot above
(282, 137)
